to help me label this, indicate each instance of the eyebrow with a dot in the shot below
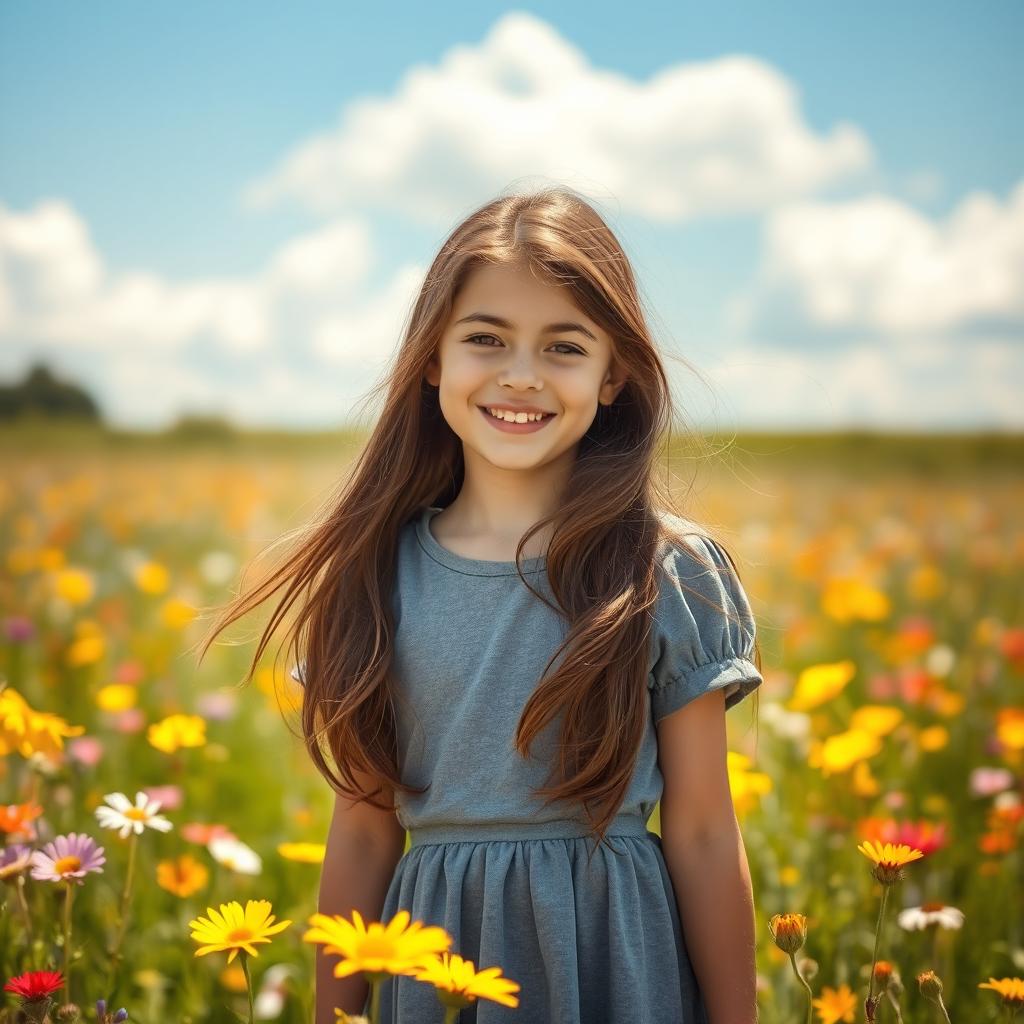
(497, 321)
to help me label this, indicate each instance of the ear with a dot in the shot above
(614, 382)
(432, 374)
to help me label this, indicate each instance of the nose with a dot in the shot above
(520, 373)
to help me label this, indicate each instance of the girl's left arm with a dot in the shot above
(706, 858)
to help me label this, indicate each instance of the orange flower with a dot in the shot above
(889, 860)
(182, 876)
(836, 1004)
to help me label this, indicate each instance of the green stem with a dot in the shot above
(374, 1001)
(67, 940)
(942, 1007)
(874, 952)
(126, 895)
(803, 981)
(451, 1014)
(248, 982)
(19, 888)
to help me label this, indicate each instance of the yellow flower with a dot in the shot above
(817, 684)
(789, 875)
(836, 1004)
(234, 929)
(841, 752)
(458, 983)
(746, 786)
(926, 582)
(182, 876)
(848, 598)
(116, 697)
(152, 578)
(29, 731)
(176, 613)
(233, 978)
(879, 719)
(177, 731)
(88, 648)
(76, 586)
(888, 859)
(935, 737)
(388, 949)
(1010, 728)
(308, 853)
(1011, 989)
(863, 782)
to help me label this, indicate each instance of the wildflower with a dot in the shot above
(34, 984)
(152, 577)
(235, 930)
(121, 813)
(888, 860)
(16, 820)
(169, 796)
(176, 731)
(202, 833)
(391, 949)
(883, 973)
(75, 586)
(459, 984)
(818, 684)
(308, 853)
(919, 918)
(103, 1017)
(986, 781)
(13, 860)
(36, 989)
(183, 876)
(1011, 990)
(68, 859)
(836, 1004)
(117, 697)
(930, 983)
(177, 613)
(379, 950)
(234, 854)
(27, 731)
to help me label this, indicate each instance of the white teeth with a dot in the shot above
(515, 417)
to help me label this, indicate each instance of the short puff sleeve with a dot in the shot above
(698, 647)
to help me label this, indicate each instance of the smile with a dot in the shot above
(515, 428)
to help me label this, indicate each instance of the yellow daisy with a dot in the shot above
(1011, 989)
(388, 949)
(889, 859)
(235, 929)
(836, 1004)
(458, 983)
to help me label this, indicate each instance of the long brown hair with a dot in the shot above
(601, 559)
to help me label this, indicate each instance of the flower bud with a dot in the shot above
(789, 931)
(930, 984)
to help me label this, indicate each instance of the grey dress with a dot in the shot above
(507, 878)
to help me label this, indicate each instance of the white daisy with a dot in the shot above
(234, 854)
(128, 817)
(919, 918)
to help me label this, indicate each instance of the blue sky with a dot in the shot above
(229, 207)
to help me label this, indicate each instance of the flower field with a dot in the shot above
(162, 827)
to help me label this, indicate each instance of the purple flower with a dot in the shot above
(19, 628)
(14, 859)
(68, 859)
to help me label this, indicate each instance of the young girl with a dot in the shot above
(508, 633)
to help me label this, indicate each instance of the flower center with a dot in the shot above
(65, 865)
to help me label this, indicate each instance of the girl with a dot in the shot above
(507, 632)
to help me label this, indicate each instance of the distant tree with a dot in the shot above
(201, 427)
(43, 394)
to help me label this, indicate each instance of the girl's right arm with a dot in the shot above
(364, 846)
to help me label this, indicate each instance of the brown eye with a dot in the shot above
(573, 350)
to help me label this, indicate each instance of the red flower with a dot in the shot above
(35, 984)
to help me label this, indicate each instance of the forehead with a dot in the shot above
(516, 295)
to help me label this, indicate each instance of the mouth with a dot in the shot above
(516, 428)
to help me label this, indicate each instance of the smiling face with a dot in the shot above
(510, 343)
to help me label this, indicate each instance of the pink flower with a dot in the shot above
(128, 672)
(130, 721)
(68, 859)
(987, 781)
(87, 750)
(169, 797)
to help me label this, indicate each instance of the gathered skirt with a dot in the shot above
(588, 943)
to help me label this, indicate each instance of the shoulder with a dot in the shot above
(703, 612)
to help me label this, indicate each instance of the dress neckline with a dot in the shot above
(459, 563)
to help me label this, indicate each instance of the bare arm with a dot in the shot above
(363, 848)
(711, 879)
(706, 858)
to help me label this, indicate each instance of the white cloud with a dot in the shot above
(720, 136)
(875, 266)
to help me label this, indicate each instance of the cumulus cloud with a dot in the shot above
(876, 267)
(713, 137)
(260, 347)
